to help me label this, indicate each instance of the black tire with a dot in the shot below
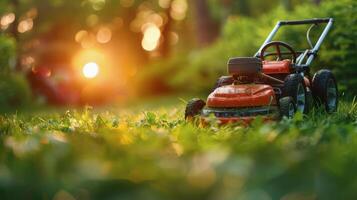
(194, 108)
(310, 99)
(294, 86)
(287, 107)
(325, 90)
(222, 81)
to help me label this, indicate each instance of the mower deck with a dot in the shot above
(245, 114)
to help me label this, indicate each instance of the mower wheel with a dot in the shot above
(309, 98)
(294, 86)
(194, 108)
(222, 81)
(325, 90)
(287, 107)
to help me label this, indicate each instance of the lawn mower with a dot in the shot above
(271, 84)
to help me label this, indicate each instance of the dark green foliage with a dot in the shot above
(14, 92)
(7, 53)
(341, 50)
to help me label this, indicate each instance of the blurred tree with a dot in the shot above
(207, 29)
(165, 47)
(291, 4)
(243, 7)
(317, 2)
(287, 4)
(14, 25)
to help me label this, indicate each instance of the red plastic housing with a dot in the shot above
(277, 67)
(250, 95)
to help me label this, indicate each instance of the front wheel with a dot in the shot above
(194, 108)
(294, 87)
(325, 90)
(287, 107)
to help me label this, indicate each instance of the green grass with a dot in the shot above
(130, 154)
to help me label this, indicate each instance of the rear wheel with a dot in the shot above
(287, 107)
(309, 99)
(294, 86)
(222, 81)
(194, 108)
(325, 90)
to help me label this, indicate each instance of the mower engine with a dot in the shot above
(245, 98)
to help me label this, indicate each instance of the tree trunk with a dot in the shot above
(13, 28)
(15, 33)
(317, 2)
(206, 28)
(165, 45)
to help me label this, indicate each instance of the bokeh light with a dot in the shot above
(118, 22)
(146, 15)
(6, 20)
(174, 38)
(80, 35)
(98, 4)
(151, 37)
(127, 3)
(25, 25)
(164, 3)
(156, 19)
(27, 61)
(104, 35)
(32, 13)
(92, 20)
(90, 70)
(179, 9)
(88, 41)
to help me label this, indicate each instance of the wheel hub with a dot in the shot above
(291, 110)
(300, 100)
(331, 95)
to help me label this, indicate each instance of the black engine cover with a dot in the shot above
(244, 66)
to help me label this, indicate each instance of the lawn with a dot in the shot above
(58, 55)
(130, 154)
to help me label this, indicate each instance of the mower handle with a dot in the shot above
(312, 52)
(306, 21)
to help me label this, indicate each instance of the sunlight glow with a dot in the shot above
(86, 39)
(90, 70)
(92, 63)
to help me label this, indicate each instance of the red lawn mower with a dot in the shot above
(259, 86)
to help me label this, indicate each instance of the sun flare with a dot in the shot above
(90, 70)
